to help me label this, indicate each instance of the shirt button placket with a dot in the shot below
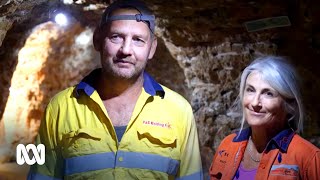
(119, 174)
(120, 159)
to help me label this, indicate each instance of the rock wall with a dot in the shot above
(51, 59)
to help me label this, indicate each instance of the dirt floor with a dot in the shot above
(13, 171)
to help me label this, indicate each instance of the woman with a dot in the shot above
(270, 147)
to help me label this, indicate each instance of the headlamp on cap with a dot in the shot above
(145, 15)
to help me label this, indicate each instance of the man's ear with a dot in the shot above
(97, 39)
(154, 44)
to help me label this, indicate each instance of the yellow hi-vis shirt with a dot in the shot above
(160, 141)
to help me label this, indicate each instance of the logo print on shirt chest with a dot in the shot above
(158, 124)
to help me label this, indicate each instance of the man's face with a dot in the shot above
(127, 46)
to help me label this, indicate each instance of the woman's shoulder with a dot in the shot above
(304, 153)
(229, 139)
(302, 146)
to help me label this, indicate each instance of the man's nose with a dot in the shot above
(126, 47)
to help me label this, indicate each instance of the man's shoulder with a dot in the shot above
(63, 95)
(174, 97)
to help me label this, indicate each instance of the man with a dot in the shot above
(118, 122)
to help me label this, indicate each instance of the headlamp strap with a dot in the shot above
(137, 17)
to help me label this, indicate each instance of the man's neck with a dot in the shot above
(119, 97)
(111, 87)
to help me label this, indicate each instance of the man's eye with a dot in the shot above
(115, 39)
(138, 41)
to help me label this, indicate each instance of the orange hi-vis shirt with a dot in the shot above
(287, 156)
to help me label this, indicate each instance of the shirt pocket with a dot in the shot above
(157, 136)
(83, 141)
(284, 171)
(150, 176)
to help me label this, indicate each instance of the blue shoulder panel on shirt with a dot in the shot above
(151, 86)
(87, 83)
(281, 140)
(243, 136)
(87, 86)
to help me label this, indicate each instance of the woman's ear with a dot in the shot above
(97, 39)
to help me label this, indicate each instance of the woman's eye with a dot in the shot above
(270, 94)
(249, 90)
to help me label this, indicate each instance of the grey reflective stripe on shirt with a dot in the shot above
(194, 176)
(36, 176)
(147, 161)
(124, 159)
(89, 163)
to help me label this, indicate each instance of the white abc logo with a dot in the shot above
(38, 154)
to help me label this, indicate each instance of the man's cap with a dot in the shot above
(145, 14)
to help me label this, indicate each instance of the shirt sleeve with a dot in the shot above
(190, 165)
(313, 170)
(53, 166)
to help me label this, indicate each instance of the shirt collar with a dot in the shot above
(151, 86)
(280, 141)
(242, 135)
(87, 84)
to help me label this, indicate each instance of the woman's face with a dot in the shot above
(263, 105)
